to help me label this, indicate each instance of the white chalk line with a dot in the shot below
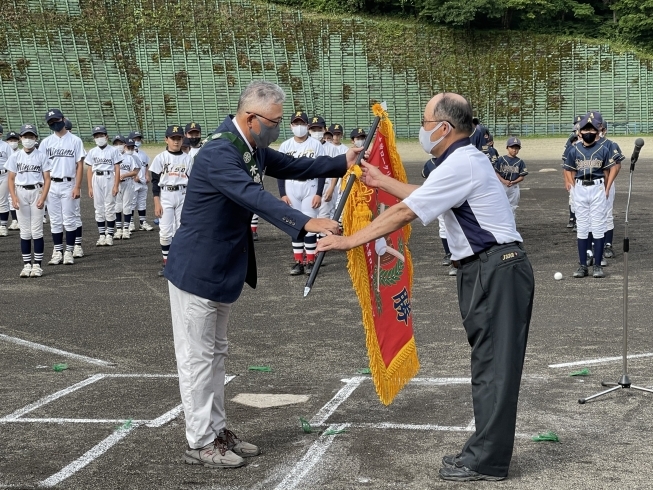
(312, 456)
(52, 350)
(88, 457)
(54, 420)
(422, 427)
(601, 360)
(441, 381)
(332, 405)
(45, 400)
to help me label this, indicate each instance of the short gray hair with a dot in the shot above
(457, 112)
(260, 94)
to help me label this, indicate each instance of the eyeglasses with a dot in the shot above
(424, 121)
(273, 121)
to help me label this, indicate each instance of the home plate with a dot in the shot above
(268, 400)
(548, 170)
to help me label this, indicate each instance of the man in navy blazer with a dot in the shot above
(212, 256)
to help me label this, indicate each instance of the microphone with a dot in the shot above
(639, 142)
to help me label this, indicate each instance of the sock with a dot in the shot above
(598, 250)
(128, 219)
(254, 223)
(111, 226)
(26, 250)
(3, 218)
(70, 240)
(118, 220)
(310, 244)
(609, 236)
(102, 227)
(141, 215)
(583, 244)
(78, 236)
(13, 215)
(39, 247)
(164, 250)
(298, 251)
(445, 245)
(572, 215)
(57, 240)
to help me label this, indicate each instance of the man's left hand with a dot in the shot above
(333, 242)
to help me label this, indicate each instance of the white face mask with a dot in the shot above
(28, 143)
(102, 141)
(13, 144)
(119, 147)
(359, 143)
(129, 152)
(425, 138)
(138, 143)
(299, 130)
(318, 135)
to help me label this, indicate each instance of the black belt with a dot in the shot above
(173, 187)
(62, 179)
(590, 182)
(3, 171)
(459, 263)
(30, 187)
(103, 172)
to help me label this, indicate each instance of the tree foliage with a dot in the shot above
(629, 21)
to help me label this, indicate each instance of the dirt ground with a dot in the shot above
(112, 419)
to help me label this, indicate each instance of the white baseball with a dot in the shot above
(557, 276)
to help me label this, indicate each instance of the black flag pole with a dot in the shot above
(341, 204)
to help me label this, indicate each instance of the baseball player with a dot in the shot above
(140, 189)
(317, 128)
(78, 251)
(5, 152)
(129, 168)
(66, 153)
(254, 227)
(573, 139)
(511, 170)
(103, 178)
(333, 148)
(29, 183)
(185, 145)
(589, 166)
(492, 152)
(194, 135)
(12, 140)
(480, 136)
(170, 171)
(303, 195)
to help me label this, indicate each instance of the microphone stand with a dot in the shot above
(624, 380)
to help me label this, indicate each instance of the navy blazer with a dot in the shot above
(212, 253)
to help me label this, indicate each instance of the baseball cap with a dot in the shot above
(174, 131)
(186, 141)
(129, 142)
(578, 118)
(135, 134)
(357, 133)
(118, 137)
(53, 114)
(99, 130)
(299, 115)
(590, 120)
(513, 141)
(28, 128)
(336, 129)
(193, 126)
(317, 121)
(12, 135)
(68, 124)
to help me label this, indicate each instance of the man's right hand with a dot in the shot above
(371, 175)
(286, 199)
(322, 225)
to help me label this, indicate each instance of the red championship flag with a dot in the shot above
(382, 272)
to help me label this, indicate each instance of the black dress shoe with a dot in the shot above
(450, 460)
(463, 473)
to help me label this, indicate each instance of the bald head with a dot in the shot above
(453, 108)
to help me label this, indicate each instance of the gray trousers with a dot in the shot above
(199, 327)
(495, 295)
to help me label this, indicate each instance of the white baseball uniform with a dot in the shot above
(29, 169)
(174, 170)
(102, 162)
(5, 153)
(328, 208)
(125, 197)
(63, 152)
(140, 188)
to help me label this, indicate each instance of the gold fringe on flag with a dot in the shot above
(389, 380)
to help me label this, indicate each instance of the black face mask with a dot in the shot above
(194, 141)
(57, 126)
(588, 137)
